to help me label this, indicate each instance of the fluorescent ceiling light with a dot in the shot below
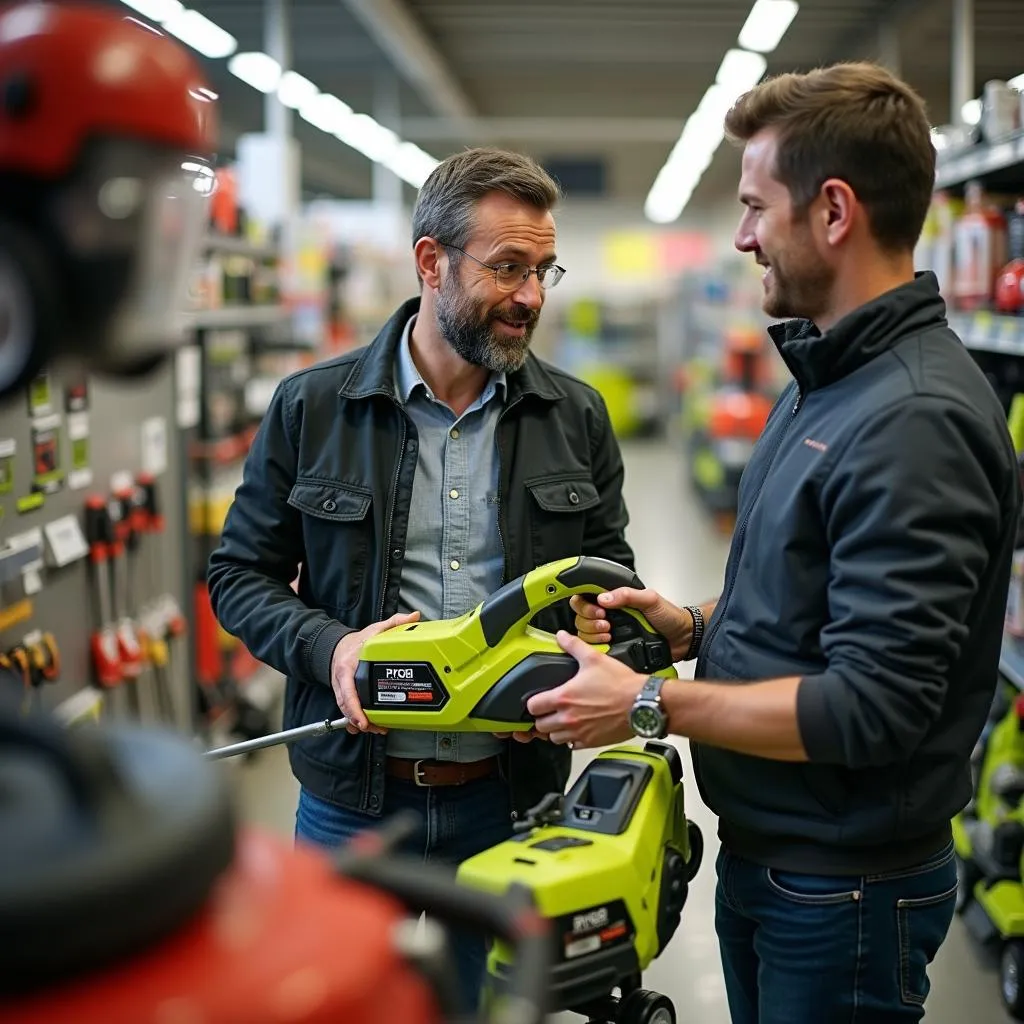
(971, 112)
(373, 140)
(293, 90)
(197, 31)
(156, 10)
(767, 24)
(740, 71)
(259, 70)
(411, 164)
(325, 112)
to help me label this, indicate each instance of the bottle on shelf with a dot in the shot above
(979, 250)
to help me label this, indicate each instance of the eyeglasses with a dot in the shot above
(510, 276)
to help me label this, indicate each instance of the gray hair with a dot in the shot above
(446, 205)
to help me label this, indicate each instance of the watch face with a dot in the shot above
(646, 721)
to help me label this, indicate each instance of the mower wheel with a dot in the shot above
(1011, 978)
(696, 850)
(644, 1007)
(968, 875)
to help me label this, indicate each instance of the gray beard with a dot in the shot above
(458, 319)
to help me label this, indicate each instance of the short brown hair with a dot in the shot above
(856, 122)
(447, 201)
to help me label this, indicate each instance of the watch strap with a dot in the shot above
(698, 631)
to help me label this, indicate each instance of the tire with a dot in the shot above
(696, 850)
(968, 876)
(644, 1007)
(1011, 978)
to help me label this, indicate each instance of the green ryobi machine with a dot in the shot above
(610, 866)
(989, 840)
(611, 861)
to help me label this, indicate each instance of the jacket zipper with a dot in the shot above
(501, 471)
(514, 814)
(742, 528)
(390, 522)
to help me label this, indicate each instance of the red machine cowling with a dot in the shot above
(282, 939)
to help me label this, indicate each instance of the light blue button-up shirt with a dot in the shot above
(454, 557)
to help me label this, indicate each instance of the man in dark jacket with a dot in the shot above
(413, 478)
(847, 669)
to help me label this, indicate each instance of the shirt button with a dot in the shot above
(574, 498)
(454, 435)
(329, 505)
(455, 564)
(453, 493)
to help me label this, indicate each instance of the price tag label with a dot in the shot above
(65, 540)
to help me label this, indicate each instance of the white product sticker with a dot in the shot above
(154, 445)
(51, 422)
(32, 580)
(121, 481)
(79, 478)
(78, 425)
(66, 541)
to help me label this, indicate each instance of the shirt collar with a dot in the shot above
(408, 378)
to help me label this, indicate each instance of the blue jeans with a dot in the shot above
(805, 949)
(457, 822)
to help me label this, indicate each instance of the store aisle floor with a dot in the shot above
(682, 555)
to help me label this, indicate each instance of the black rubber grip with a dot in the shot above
(502, 610)
(506, 700)
(600, 573)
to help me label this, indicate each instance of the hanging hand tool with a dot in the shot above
(161, 616)
(155, 525)
(132, 656)
(99, 531)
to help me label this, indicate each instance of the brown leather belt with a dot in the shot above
(440, 773)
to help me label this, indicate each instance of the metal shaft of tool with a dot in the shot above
(276, 738)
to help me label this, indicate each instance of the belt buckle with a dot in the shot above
(417, 774)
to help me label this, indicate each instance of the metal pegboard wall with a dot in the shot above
(62, 442)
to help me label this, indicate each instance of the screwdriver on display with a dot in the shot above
(99, 532)
(127, 641)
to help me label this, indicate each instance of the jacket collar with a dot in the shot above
(817, 359)
(373, 371)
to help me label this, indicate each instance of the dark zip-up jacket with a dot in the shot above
(327, 487)
(871, 558)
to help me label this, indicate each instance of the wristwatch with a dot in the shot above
(647, 717)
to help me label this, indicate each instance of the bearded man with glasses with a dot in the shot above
(411, 479)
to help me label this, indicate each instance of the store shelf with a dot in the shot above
(990, 332)
(232, 246)
(1011, 660)
(979, 161)
(237, 316)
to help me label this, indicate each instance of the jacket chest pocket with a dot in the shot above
(337, 528)
(558, 514)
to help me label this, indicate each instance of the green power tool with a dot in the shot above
(609, 865)
(475, 672)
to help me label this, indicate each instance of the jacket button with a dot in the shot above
(374, 801)
(329, 505)
(396, 553)
(574, 498)
(514, 815)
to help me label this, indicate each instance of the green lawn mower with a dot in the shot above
(989, 840)
(610, 866)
